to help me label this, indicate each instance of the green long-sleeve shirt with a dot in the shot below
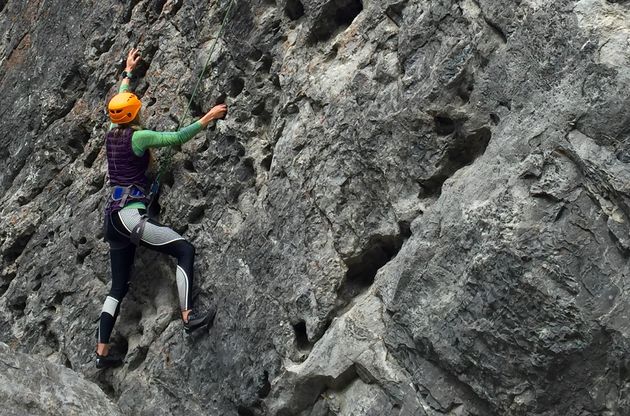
(141, 140)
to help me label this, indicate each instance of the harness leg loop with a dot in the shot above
(138, 230)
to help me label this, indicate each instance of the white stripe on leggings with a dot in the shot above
(110, 305)
(182, 287)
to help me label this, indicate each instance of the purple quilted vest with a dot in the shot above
(124, 167)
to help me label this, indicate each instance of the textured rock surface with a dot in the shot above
(32, 386)
(413, 208)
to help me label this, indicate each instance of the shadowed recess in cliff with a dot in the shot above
(242, 410)
(236, 86)
(461, 151)
(6, 277)
(362, 268)
(301, 337)
(395, 12)
(294, 9)
(138, 357)
(128, 11)
(16, 248)
(17, 304)
(335, 17)
(255, 405)
(77, 138)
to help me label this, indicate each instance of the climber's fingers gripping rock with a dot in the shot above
(215, 113)
(133, 57)
(218, 111)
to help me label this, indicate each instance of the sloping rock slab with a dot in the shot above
(32, 386)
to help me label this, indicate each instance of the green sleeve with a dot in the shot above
(123, 88)
(145, 139)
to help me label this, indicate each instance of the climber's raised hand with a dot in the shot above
(133, 57)
(215, 113)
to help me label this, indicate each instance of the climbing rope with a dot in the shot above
(167, 159)
(205, 66)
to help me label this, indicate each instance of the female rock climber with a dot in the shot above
(126, 223)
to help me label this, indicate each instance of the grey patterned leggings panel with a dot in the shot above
(118, 227)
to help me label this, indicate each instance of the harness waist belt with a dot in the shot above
(133, 191)
(122, 194)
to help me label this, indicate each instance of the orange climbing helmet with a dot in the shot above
(123, 108)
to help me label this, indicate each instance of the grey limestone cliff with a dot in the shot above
(412, 208)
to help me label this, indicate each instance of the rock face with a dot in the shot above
(32, 386)
(412, 208)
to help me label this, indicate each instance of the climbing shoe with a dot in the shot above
(198, 320)
(108, 361)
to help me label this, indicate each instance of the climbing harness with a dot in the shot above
(138, 230)
(119, 197)
(165, 163)
(124, 193)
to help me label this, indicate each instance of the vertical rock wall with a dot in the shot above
(412, 208)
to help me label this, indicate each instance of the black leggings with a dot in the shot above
(118, 227)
